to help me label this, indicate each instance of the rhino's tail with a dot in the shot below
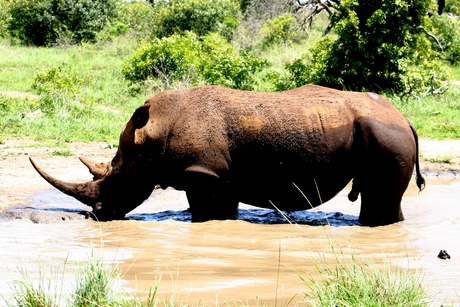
(418, 176)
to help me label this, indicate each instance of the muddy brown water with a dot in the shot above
(257, 259)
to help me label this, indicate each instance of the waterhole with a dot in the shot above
(256, 259)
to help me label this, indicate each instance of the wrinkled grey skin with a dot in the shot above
(224, 146)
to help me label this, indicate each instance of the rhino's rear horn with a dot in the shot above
(96, 169)
(87, 193)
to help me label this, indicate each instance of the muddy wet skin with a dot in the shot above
(258, 257)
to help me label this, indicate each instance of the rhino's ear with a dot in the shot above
(141, 116)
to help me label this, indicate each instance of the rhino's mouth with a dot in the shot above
(103, 214)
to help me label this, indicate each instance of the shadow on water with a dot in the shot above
(53, 205)
(260, 216)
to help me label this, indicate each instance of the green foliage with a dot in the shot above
(58, 84)
(177, 57)
(452, 6)
(171, 57)
(198, 16)
(136, 17)
(447, 30)
(32, 22)
(434, 116)
(43, 22)
(59, 80)
(4, 17)
(351, 283)
(94, 284)
(13, 113)
(380, 47)
(222, 65)
(26, 294)
(307, 69)
(280, 30)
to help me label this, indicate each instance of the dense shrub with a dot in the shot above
(42, 22)
(136, 17)
(57, 84)
(4, 18)
(380, 47)
(447, 30)
(199, 16)
(171, 57)
(452, 6)
(210, 60)
(221, 64)
(282, 29)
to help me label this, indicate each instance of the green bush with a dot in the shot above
(59, 79)
(210, 60)
(223, 65)
(171, 57)
(198, 16)
(380, 47)
(282, 29)
(137, 17)
(447, 30)
(43, 22)
(32, 22)
(56, 85)
(452, 6)
(4, 17)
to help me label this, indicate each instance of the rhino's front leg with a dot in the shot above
(210, 199)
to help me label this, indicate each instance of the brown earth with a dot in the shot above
(18, 180)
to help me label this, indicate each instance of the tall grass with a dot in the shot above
(344, 281)
(96, 284)
(37, 293)
(355, 282)
(29, 295)
(434, 116)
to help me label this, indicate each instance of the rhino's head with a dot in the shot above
(120, 185)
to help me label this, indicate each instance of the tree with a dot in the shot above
(380, 46)
(315, 7)
(42, 22)
(198, 16)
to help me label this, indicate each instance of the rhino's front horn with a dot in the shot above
(87, 193)
(96, 169)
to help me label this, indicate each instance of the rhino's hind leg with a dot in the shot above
(379, 208)
(381, 195)
(210, 199)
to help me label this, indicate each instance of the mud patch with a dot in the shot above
(39, 216)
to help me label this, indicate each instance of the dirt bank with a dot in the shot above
(18, 180)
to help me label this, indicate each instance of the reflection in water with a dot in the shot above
(257, 257)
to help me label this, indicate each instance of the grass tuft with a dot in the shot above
(62, 153)
(345, 281)
(30, 294)
(352, 282)
(94, 284)
(443, 159)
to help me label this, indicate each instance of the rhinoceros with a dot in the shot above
(294, 149)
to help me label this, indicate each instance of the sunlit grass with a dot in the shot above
(435, 117)
(349, 281)
(340, 280)
(441, 159)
